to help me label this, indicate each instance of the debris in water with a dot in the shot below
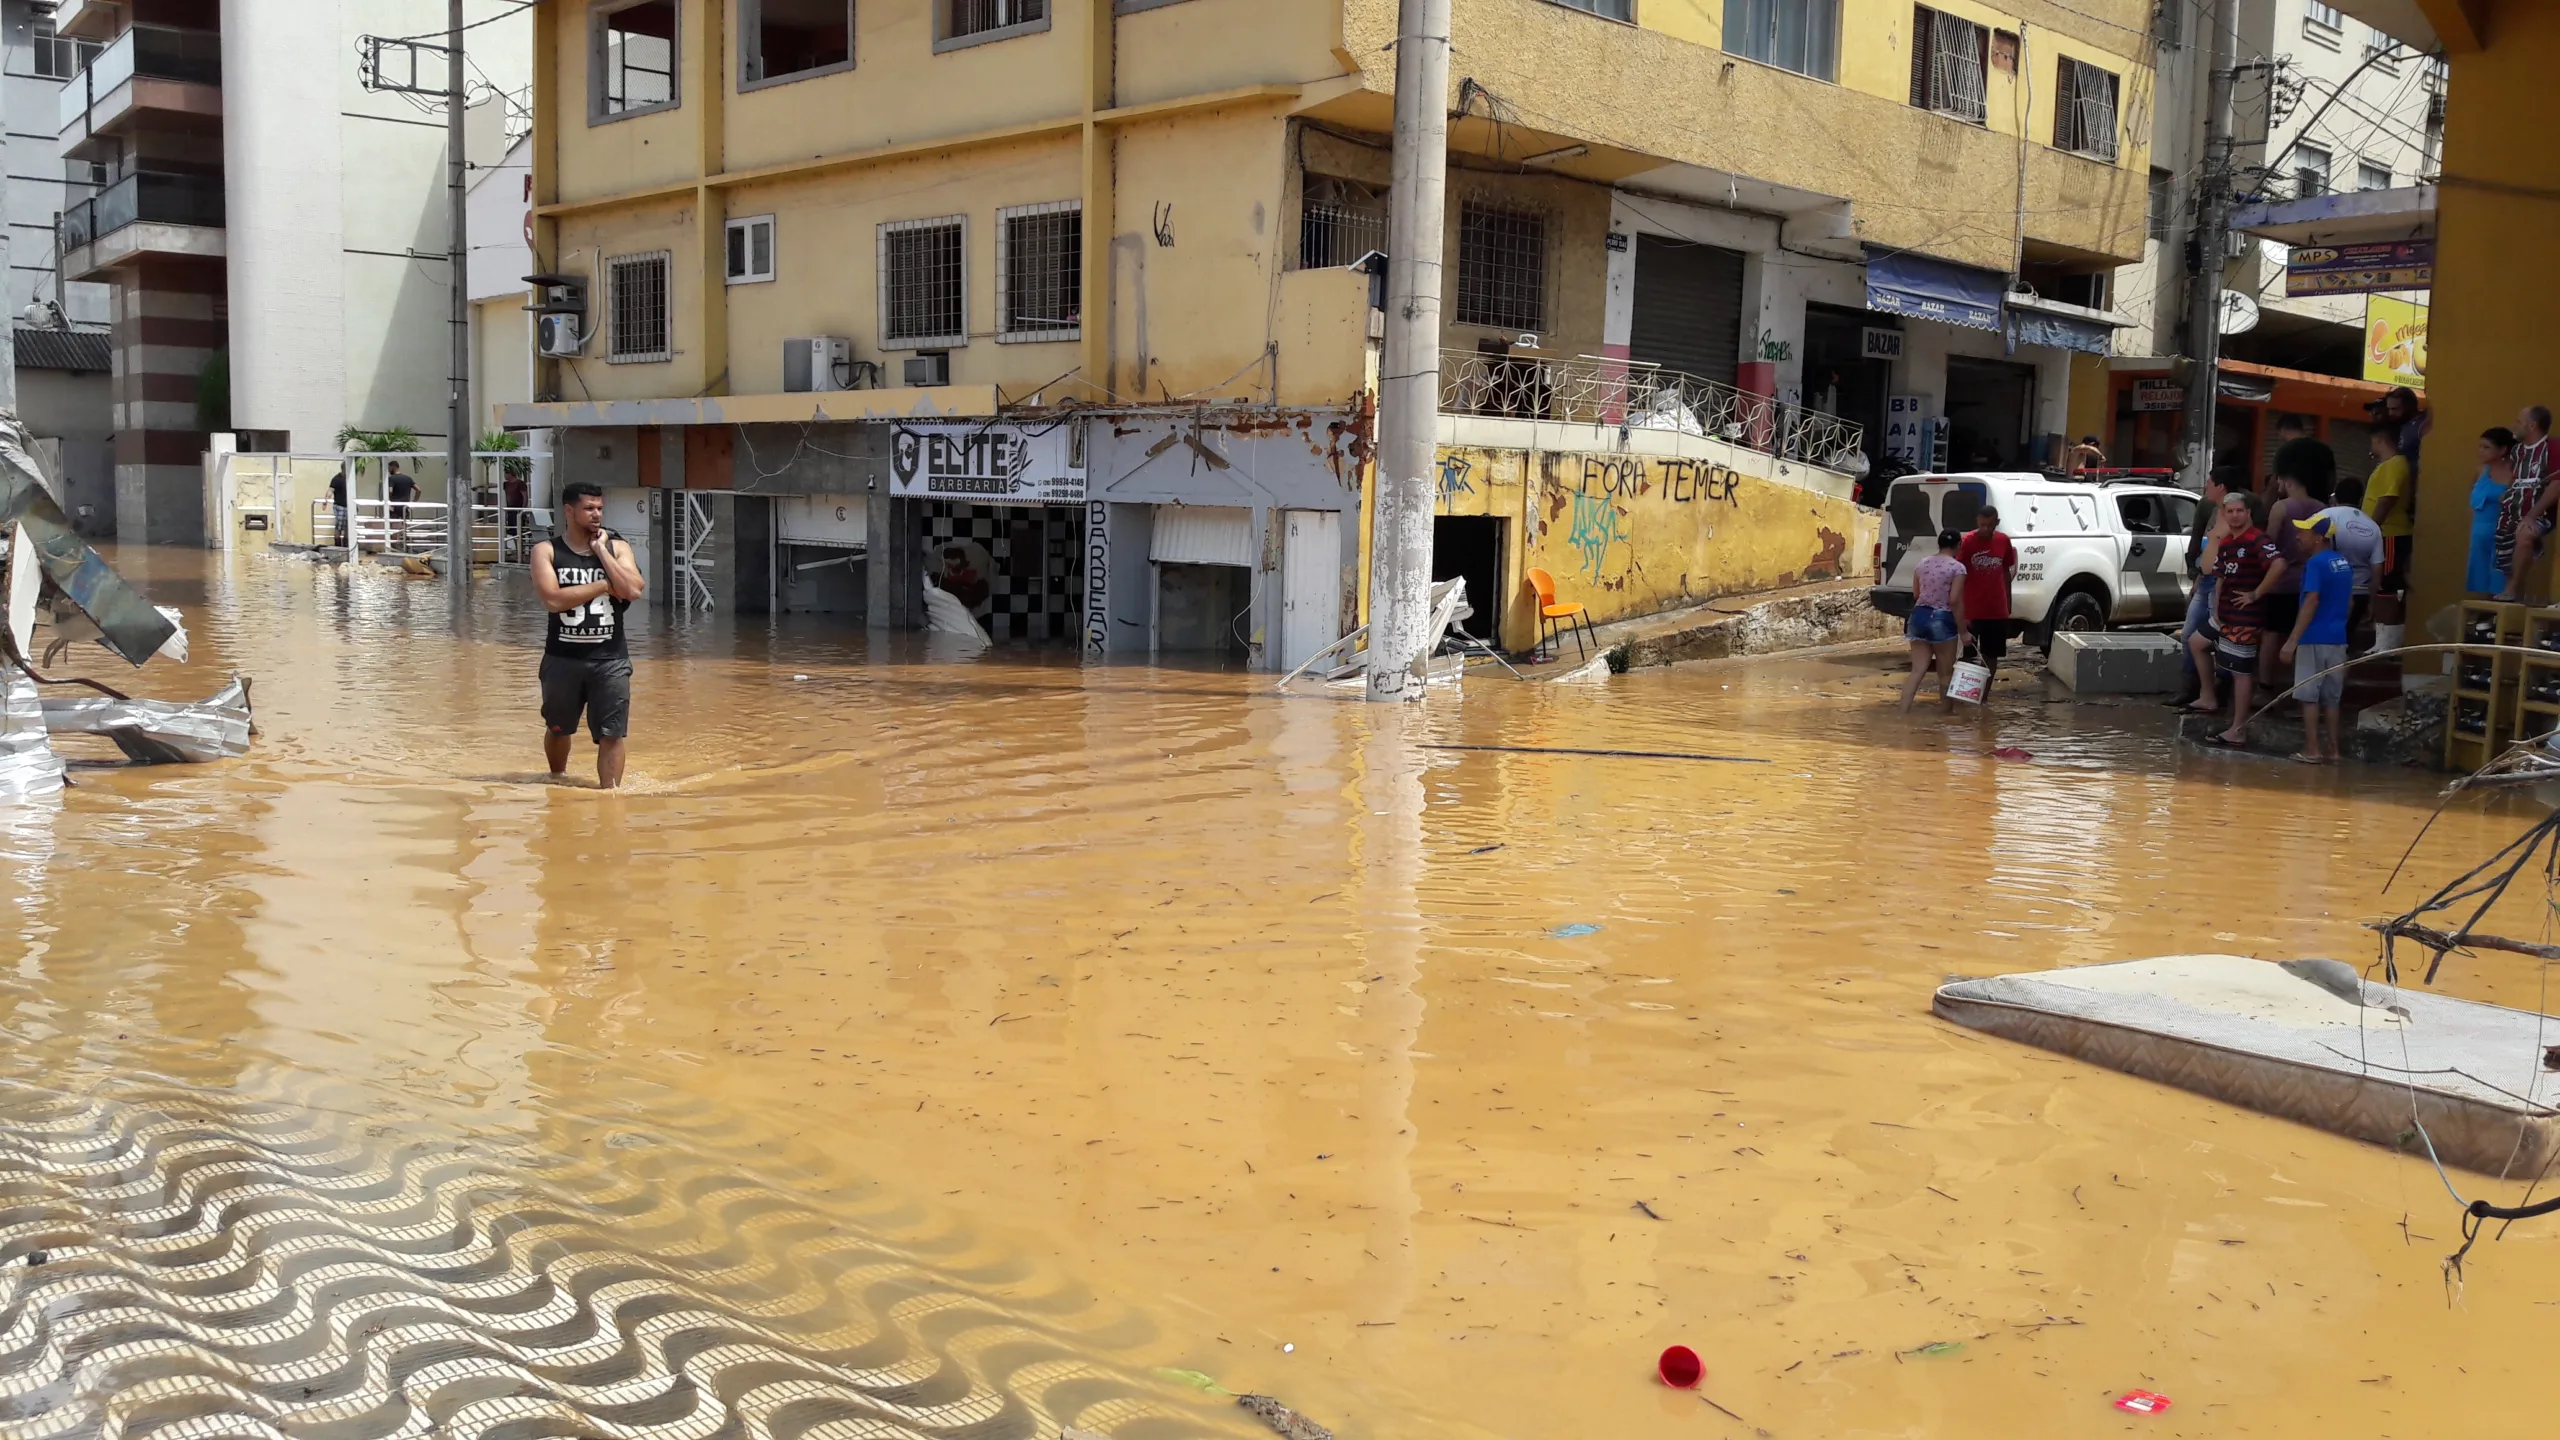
(2142, 1402)
(1680, 1367)
(799, 677)
(1192, 1378)
(2011, 752)
(1648, 1211)
(1484, 849)
(1937, 1347)
(1282, 1419)
(1568, 932)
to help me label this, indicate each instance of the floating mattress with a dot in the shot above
(2306, 1040)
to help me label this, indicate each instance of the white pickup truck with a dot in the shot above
(2090, 554)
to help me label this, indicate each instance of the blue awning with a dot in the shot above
(2026, 327)
(1900, 283)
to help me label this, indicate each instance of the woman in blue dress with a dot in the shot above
(2497, 472)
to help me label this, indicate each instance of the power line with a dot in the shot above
(474, 25)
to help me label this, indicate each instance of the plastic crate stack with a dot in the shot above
(2487, 684)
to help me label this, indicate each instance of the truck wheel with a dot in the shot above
(2076, 609)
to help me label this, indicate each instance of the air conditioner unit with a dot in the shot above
(562, 336)
(930, 367)
(817, 362)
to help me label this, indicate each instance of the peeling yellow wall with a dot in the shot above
(1633, 535)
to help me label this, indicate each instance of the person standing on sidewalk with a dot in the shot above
(2488, 501)
(2319, 640)
(2386, 499)
(1990, 563)
(586, 578)
(2306, 473)
(2534, 517)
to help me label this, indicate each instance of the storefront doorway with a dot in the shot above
(1839, 379)
(1014, 566)
(1469, 548)
(1988, 405)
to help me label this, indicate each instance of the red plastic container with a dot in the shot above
(2142, 1402)
(1681, 1368)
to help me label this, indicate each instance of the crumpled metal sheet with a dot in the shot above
(127, 622)
(158, 732)
(28, 767)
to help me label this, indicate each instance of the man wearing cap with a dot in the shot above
(2319, 640)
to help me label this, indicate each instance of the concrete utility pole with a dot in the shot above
(457, 447)
(1409, 374)
(2212, 243)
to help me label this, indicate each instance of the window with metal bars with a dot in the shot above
(1338, 222)
(1502, 267)
(634, 60)
(1040, 272)
(638, 308)
(2162, 205)
(977, 17)
(924, 283)
(1948, 57)
(2084, 110)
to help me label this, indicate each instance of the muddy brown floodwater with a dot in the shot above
(1260, 1024)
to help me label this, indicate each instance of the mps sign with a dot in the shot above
(2360, 269)
(985, 464)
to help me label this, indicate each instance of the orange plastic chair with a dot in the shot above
(1553, 615)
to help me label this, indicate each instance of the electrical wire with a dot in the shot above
(507, 14)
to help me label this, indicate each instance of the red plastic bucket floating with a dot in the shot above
(1681, 1368)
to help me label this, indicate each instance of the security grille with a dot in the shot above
(637, 289)
(1948, 56)
(923, 290)
(976, 17)
(2084, 112)
(1338, 222)
(1502, 267)
(1040, 271)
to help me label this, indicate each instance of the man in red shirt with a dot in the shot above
(1990, 563)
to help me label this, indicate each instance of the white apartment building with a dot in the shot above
(2325, 104)
(34, 61)
(272, 232)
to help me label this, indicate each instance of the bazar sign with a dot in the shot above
(2355, 269)
(988, 464)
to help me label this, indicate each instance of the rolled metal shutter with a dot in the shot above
(1688, 307)
(1202, 535)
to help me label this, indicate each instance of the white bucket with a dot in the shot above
(1969, 681)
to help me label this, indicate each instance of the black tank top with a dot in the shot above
(593, 631)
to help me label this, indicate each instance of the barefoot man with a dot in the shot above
(586, 578)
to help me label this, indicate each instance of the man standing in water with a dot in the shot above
(586, 578)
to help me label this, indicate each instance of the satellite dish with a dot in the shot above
(2237, 314)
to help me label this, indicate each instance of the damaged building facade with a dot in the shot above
(1061, 304)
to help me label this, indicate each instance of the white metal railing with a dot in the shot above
(499, 533)
(1596, 390)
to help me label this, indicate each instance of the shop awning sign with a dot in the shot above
(2360, 269)
(1902, 283)
(985, 464)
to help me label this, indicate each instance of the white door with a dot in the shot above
(1310, 584)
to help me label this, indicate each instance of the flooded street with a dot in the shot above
(1197, 1029)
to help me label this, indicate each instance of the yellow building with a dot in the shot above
(1076, 283)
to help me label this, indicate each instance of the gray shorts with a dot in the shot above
(2310, 660)
(601, 688)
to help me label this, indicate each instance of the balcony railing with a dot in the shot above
(1593, 390)
(148, 195)
(154, 52)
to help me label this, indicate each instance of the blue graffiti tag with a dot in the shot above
(1454, 470)
(1598, 528)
